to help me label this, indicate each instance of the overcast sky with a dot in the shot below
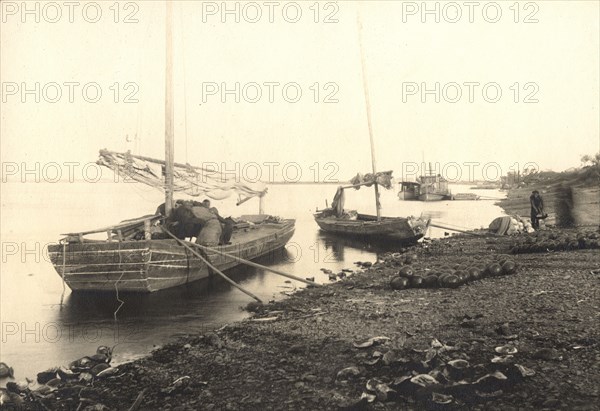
(543, 57)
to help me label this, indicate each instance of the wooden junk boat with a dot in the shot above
(400, 230)
(129, 259)
(134, 262)
(388, 229)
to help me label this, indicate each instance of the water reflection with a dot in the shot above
(338, 245)
(177, 301)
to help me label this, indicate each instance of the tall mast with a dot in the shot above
(367, 102)
(169, 124)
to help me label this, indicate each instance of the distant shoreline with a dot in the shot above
(460, 183)
(307, 182)
(32, 180)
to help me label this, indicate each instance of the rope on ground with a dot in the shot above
(455, 229)
(455, 226)
(138, 400)
(460, 227)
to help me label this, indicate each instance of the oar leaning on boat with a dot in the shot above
(189, 246)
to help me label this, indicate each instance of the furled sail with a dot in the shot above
(194, 181)
(383, 179)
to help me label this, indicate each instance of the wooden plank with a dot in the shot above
(117, 268)
(92, 258)
(100, 246)
(105, 276)
(121, 225)
(129, 286)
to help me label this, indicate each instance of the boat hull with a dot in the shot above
(398, 230)
(153, 265)
(434, 197)
(465, 197)
(407, 196)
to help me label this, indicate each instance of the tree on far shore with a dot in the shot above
(589, 160)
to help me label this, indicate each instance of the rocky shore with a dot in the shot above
(507, 323)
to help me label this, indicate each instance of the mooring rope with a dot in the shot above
(450, 225)
(117, 283)
(209, 265)
(444, 227)
(62, 297)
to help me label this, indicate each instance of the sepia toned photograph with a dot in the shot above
(300, 205)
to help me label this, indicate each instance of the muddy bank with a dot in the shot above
(316, 350)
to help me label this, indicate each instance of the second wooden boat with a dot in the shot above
(399, 230)
(338, 221)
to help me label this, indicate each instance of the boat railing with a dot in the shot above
(119, 232)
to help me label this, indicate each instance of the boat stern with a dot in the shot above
(100, 266)
(419, 225)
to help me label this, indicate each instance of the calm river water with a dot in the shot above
(38, 333)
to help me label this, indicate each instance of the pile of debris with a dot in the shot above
(438, 377)
(446, 276)
(555, 240)
(508, 225)
(79, 374)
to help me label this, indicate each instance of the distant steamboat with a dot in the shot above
(429, 187)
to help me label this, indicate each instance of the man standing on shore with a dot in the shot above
(537, 208)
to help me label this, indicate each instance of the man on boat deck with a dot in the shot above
(211, 231)
(182, 222)
(226, 223)
(194, 219)
(161, 209)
